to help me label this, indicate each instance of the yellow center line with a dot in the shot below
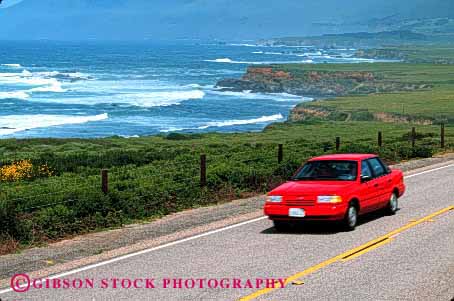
(367, 249)
(350, 254)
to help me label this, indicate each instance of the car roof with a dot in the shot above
(350, 157)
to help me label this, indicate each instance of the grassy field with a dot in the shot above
(51, 188)
(413, 54)
(434, 103)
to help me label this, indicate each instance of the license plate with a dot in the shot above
(296, 212)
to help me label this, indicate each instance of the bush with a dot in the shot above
(23, 170)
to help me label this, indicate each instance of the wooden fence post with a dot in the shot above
(413, 137)
(338, 139)
(280, 153)
(203, 170)
(105, 181)
(442, 135)
(380, 139)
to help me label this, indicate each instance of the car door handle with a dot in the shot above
(389, 181)
(376, 185)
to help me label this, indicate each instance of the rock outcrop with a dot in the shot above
(312, 83)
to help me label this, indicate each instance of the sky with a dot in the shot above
(198, 19)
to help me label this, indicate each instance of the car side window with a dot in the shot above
(387, 169)
(377, 168)
(365, 169)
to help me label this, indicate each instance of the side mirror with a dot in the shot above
(365, 178)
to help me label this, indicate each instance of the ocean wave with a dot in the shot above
(309, 54)
(18, 123)
(15, 95)
(164, 98)
(49, 81)
(226, 123)
(12, 65)
(244, 45)
(139, 99)
(70, 76)
(54, 87)
(223, 60)
(269, 46)
(263, 119)
(230, 61)
(41, 78)
(270, 96)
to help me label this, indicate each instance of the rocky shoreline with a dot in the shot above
(313, 83)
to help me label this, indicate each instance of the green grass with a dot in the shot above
(435, 103)
(414, 54)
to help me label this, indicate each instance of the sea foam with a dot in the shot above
(263, 119)
(226, 123)
(12, 65)
(15, 95)
(17, 123)
(230, 61)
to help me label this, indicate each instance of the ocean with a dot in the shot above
(101, 89)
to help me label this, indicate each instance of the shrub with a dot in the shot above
(23, 170)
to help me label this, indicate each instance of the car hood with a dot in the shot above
(312, 188)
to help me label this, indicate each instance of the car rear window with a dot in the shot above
(332, 170)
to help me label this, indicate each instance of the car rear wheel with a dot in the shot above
(351, 218)
(282, 226)
(393, 205)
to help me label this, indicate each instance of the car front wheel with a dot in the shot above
(393, 205)
(351, 218)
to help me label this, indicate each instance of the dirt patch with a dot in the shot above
(391, 118)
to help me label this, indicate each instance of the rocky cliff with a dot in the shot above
(312, 83)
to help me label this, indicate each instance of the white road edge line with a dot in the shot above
(427, 171)
(99, 264)
(120, 258)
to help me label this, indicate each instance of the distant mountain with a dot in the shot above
(390, 30)
(213, 19)
(427, 26)
(355, 40)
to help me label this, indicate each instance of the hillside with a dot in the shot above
(355, 40)
(379, 32)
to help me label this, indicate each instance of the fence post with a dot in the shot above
(105, 181)
(338, 139)
(413, 137)
(203, 170)
(380, 139)
(280, 153)
(442, 135)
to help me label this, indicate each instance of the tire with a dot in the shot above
(351, 218)
(393, 204)
(282, 226)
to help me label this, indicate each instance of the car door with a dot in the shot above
(387, 183)
(368, 191)
(379, 183)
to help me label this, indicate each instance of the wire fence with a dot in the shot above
(262, 162)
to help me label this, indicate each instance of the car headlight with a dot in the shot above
(329, 199)
(274, 199)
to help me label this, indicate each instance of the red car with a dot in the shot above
(336, 187)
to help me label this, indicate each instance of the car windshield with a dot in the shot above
(328, 171)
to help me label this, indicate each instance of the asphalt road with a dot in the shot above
(410, 257)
